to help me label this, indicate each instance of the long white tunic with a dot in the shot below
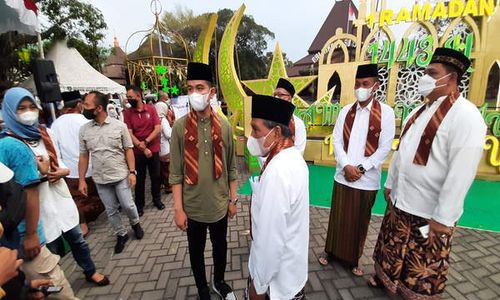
(300, 134)
(438, 189)
(66, 128)
(280, 227)
(58, 211)
(165, 135)
(355, 155)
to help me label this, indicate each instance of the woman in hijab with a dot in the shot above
(58, 212)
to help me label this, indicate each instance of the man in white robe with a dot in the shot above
(278, 261)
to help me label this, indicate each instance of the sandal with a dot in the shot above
(357, 272)
(103, 282)
(323, 260)
(375, 282)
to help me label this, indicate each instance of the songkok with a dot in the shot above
(71, 98)
(199, 71)
(365, 71)
(272, 109)
(286, 85)
(452, 58)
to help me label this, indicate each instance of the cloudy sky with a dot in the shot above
(294, 22)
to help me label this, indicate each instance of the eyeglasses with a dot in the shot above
(282, 95)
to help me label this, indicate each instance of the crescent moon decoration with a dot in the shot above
(228, 78)
(277, 71)
(202, 51)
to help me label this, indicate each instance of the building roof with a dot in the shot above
(337, 18)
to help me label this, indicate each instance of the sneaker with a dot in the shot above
(139, 233)
(204, 294)
(224, 290)
(159, 205)
(120, 243)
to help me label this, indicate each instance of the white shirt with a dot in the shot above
(165, 134)
(58, 211)
(370, 181)
(438, 189)
(300, 134)
(161, 109)
(66, 128)
(278, 260)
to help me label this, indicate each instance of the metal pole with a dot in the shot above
(40, 45)
(52, 107)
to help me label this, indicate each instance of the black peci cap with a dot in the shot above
(272, 109)
(199, 71)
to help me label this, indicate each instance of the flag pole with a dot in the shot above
(348, 17)
(40, 45)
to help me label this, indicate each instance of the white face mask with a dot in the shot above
(427, 84)
(198, 101)
(363, 94)
(28, 118)
(256, 146)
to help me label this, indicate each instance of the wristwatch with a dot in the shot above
(234, 201)
(361, 169)
(133, 172)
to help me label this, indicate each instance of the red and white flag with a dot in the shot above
(352, 13)
(20, 16)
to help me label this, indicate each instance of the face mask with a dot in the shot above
(256, 146)
(198, 101)
(112, 113)
(427, 84)
(89, 114)
(132, 102)
(28, 118)
(363, 94)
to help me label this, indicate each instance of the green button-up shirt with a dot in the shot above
(207, 200)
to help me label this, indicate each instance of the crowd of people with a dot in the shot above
(55, 180)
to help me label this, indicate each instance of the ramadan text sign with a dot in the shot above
(427, 12)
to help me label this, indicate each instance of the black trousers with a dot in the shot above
(153, 165)
(197, 237)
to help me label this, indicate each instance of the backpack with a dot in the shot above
(13, 206)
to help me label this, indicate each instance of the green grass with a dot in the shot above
(480, 211)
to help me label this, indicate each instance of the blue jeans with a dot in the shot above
(79, 249)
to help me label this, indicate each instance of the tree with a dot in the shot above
(13, 69)
(251, 41)
(79, 22)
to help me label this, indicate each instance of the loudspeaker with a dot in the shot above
(47, 85)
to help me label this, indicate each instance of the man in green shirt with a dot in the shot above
(203, 178)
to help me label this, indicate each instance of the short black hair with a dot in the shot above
(135, 88)
(100, 99)
(285, 130)
(452, 69)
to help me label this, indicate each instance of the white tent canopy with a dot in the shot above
(75, 73)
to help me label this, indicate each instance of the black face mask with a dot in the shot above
(89, 114)
(132, 102)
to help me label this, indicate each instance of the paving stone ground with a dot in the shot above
(157, 267)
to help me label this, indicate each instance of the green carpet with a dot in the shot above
(480, 211)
